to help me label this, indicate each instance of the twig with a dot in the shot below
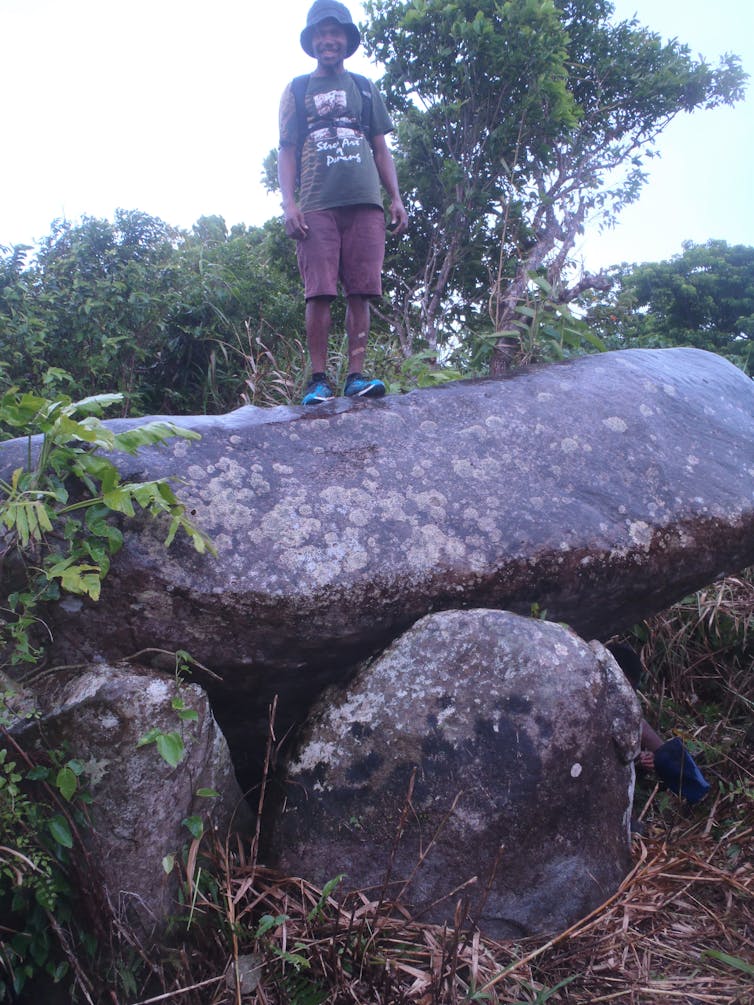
(167, 652)
(180, 991)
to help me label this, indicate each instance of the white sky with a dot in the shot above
(170, 106)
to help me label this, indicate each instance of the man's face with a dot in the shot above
(329, 41)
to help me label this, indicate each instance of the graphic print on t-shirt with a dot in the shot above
(330, 103)
(337, 167)
(338, 141)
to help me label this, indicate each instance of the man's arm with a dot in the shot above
(295, 223)
(386, 170)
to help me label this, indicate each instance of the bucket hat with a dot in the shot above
(320, 11)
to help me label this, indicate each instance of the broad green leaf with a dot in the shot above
(175, 523)
(151, 433)
(167, 494)
(145, 494)
(100, 468)
(99, 525)
(327, 890)
(149, 737)
(119, 500)
(21, 522)
(170, 746)
(54, 374)
(96, 404)
(66, 783)
(43, 517)
(79, 579)
(194, 825)
(38, 773)
(61, 831)
(66, 428)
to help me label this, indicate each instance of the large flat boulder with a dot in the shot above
(601, 489)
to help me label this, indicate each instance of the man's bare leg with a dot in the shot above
(357, 329)
(318, 322)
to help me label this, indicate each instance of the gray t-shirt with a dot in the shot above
(337, 165)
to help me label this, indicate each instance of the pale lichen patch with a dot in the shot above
(640, 533)
(569, 445)
(313, 754)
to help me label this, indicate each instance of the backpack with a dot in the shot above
(299, 86)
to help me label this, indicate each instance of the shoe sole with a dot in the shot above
(368, 392)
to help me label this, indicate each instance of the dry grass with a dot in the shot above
(680, 929)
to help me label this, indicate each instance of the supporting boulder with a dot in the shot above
(484, 757)
(140, 801)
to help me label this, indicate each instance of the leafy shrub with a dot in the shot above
(55, 512)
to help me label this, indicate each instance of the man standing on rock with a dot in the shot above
(332, 147)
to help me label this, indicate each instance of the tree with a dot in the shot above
(92, 303)
(703, 297)
(174, 322)
(513, 118)
(239, 306)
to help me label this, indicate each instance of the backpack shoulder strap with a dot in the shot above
(299, 86)
(365, 89)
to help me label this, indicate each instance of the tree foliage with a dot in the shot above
(93, 303)
(703, 297)
(518, 121)
(172, 321)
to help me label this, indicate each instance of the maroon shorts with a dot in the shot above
(346, 243)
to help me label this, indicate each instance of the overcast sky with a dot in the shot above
(170, 106)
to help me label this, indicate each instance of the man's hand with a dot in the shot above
(386, 170)
(398, 217)
(295, 223)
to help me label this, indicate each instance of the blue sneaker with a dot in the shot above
(317, 391)
(362, 387)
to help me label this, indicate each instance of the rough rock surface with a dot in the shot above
(139, 801)
(519, 738)
(603, 489)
